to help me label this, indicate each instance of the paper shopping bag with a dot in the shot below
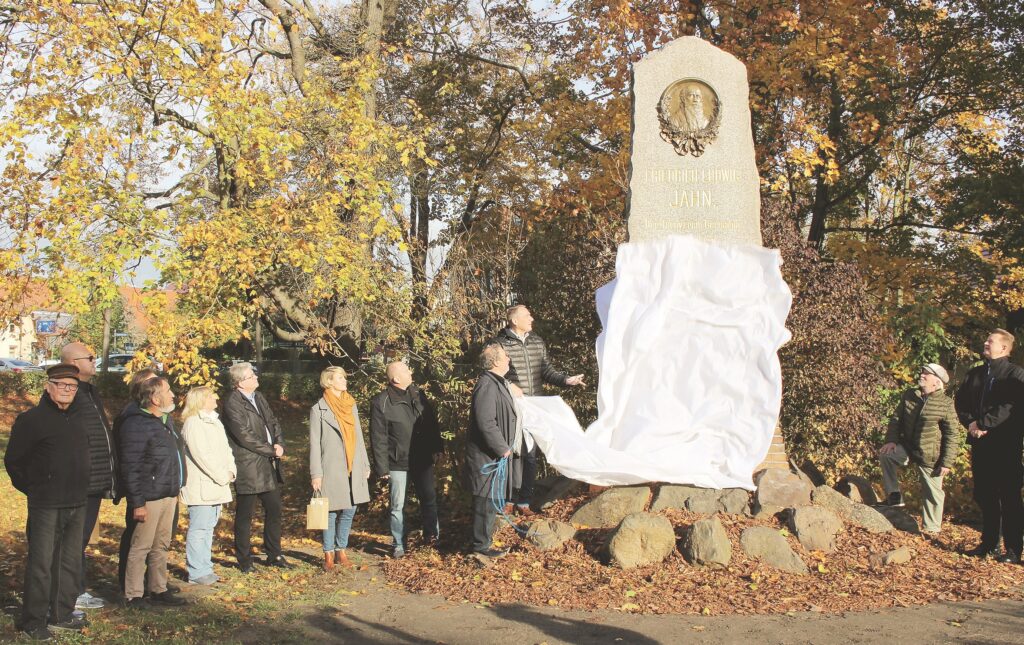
(316, 513)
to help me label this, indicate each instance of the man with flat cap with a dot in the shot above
(48, 460)
(923, 430)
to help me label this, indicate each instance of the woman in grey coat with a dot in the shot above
(338, 464)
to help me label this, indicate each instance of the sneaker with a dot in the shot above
(208, 579)
(39, 634)
(398, 554)
(895, 500)
(168, 598)
(88, 601)
(71, 625)
(136, 603)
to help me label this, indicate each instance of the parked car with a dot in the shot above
(46, 362)
(118, 363)
(18, 366)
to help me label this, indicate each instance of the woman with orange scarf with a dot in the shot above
(338, 464)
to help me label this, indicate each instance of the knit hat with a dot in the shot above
(937, 370)
(62, 370)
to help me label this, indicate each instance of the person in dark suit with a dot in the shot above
(495, 433)
(257, 442)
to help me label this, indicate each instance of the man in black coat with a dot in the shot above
(257, 442)
(990, 404)
(495, 434)
(102, 452)
(152, 460)
(406, 439)
(48, 459)
(529, 370)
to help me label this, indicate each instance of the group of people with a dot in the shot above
(925, 431)
(66, 456)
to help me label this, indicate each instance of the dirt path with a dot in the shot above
(383, 614)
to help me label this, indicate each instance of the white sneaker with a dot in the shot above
(88, 601)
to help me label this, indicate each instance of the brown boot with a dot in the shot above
(342, 559)
(328, 560)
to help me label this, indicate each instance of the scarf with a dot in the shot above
(342, 407)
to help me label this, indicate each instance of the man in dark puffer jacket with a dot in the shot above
(47, 459)
(530, 369)
(102, 452)
(924, 430)
(152, 473)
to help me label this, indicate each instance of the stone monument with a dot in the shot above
(692, 168)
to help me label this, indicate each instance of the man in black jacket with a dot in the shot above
(48, 460)
(495, 432)
(258, 444)
(407, 443)
(990, 404)
(102, 452)
(529, 370)
(152, 473)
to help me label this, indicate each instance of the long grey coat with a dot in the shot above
(492, 430)
(327, 459)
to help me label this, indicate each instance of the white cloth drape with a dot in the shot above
(690, 384)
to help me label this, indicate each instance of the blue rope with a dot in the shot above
(498, 471)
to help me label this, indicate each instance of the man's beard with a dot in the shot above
(693, 116)
(168, 409)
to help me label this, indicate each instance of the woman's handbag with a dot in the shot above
(316, 512)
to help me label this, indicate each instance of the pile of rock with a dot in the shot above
(814, 516)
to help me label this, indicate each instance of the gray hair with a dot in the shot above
(512, 311)
(490, 355)
(239, 372)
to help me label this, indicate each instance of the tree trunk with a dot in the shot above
(419, 239)
(106, 338)
(257, 340)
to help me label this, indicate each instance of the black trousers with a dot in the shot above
(92, 514)
(525, 493)
(484, 515)
(54, 565)
(998, 476)
(271, 501)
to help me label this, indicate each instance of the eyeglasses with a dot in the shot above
(84, 358)
(64, 386)
(250, 376)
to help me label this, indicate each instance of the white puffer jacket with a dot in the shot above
(210, 463)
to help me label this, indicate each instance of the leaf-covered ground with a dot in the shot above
(577, 577)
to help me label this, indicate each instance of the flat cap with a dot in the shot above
(62, 370)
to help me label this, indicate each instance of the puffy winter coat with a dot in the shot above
(530, 367)
(209, 462)
(152, 456)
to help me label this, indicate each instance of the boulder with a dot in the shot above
(901, 555)
(868, 518)
(777, 487)
(549, 534)
(899, 518)
(707, 544)
(770, 547)
(641, 538)
(833, 500)
(611, 506)
(704, 501)
(767, 512)
(674, 496)
(857, 489)
(815, 527)
(734, 501)
(553, 488)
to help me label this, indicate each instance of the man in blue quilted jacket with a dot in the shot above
(152, 473)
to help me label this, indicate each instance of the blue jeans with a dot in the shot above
(199, 540)
(339, 525)
(423, 480)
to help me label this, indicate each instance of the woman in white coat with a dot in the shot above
(210, 471)
(338, 465)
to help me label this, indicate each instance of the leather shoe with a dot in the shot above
(246, 568)
(493, 553)
(280, 563)
(982, 551)
(1010, 557)
(167, 598)
(525, 510)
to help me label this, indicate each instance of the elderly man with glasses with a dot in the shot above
(257, 442)
(48, 460)
(102, 452)
(924, 430)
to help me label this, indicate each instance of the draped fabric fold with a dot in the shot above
(690, 384)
